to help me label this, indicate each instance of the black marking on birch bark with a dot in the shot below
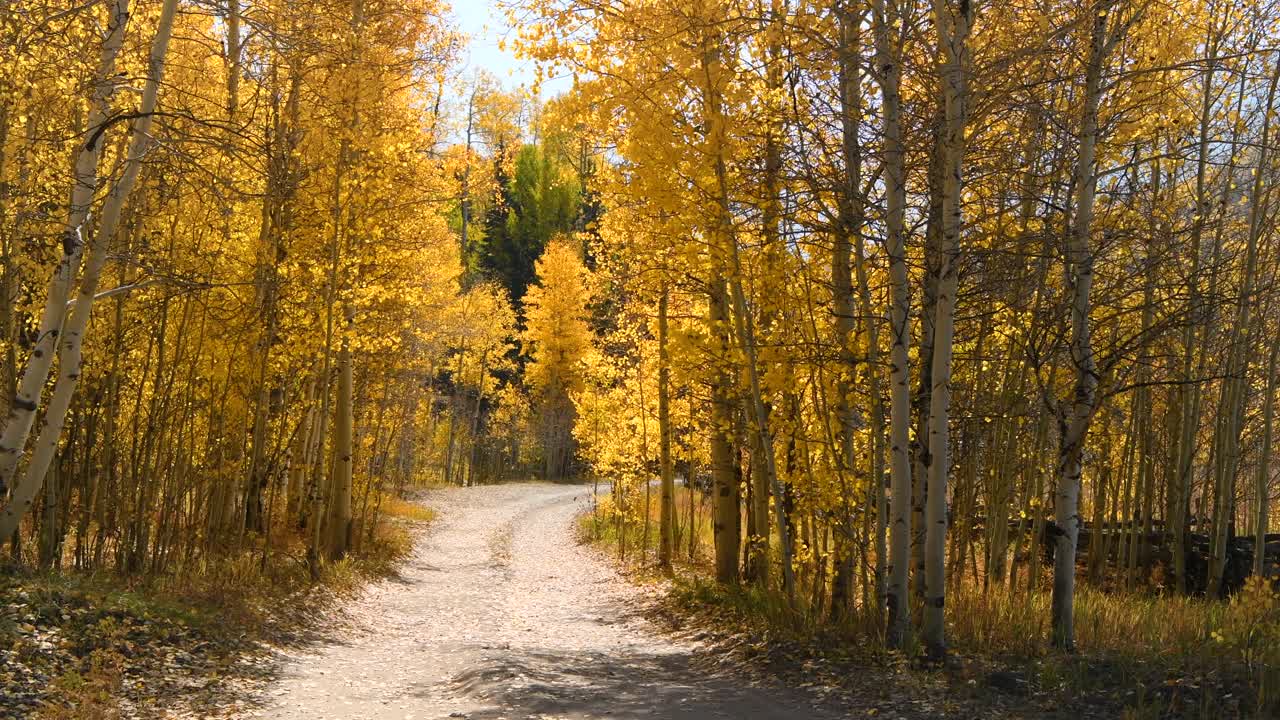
(70, 242)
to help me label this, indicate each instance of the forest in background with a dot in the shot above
(920, 302)
(239, 315)
(262, 267)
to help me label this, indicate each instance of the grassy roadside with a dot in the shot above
(78, 646)
(1140, 656)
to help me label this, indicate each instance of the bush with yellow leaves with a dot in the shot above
(1250, 633)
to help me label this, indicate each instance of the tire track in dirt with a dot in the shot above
(500, 614)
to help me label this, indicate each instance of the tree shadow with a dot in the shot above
(626, 684)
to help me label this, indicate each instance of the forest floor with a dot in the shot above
(84, 646)
(498, 612)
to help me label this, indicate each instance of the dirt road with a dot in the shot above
(499, 613)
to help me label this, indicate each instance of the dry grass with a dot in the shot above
(403, 509)
(629, 538)
(221, 608)
(1160, 655)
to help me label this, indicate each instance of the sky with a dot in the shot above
(486, 24)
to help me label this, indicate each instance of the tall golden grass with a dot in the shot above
(1142, 637)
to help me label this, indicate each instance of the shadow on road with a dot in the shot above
(622, 684)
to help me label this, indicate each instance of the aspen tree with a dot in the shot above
(1075, 415)
(22, 410)
(1231, 410)
(1188, 409)
(557, 338)
(666, 529)
(743, 323)
(888, 69)
(953, 27)
(727, 527)
(851, 93)
(1264, 459)
(842, 242)
(71, 337)
(340, 518)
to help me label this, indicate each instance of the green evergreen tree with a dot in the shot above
(533, 205)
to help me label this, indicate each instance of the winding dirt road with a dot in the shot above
(499, 613)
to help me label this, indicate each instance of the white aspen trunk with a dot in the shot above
(953, 32)
(340, 485)
(464, 190)
(319, 488)
(850, 219)
(921, 401)
(474, 457)
(1073, 423)
(773, 251)
(72, 336)
(727, 530)
(887, 65)
(300, 457)
(22, 410)
(875, 482)
(1188, 407)
(453, 419)
(852, 209)
(743, 327)
(746, 337)
(644, 453)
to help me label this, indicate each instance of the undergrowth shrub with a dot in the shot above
(1166, 653)
(1250, 633)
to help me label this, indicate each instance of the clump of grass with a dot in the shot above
(749, 608)
(622, 529)
(397, 507)
(1000, 619)
(1153, 638)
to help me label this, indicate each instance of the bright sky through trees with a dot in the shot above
(486, 27)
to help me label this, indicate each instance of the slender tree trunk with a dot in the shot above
(300, 457)
(1188, 411)
(888, 67)
(474, 456)
(464, 190)
(340, 485)
(1236, 384)
(953, 33)
(343, 451)
(851, 210)
(923, 398)
(22, 411)
(727, 527)
(666, 526)
(72, 336)
(727, 530)
(1264, 460)
(1073, 421)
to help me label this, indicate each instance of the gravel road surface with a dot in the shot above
(500, 613)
